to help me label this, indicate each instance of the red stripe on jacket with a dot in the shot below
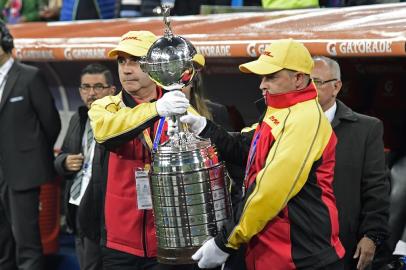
(325, 181)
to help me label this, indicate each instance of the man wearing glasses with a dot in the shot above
(360, 182)
(75, 164)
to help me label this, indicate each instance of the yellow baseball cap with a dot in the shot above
(135, 43)
(280, 54)
(199, 60)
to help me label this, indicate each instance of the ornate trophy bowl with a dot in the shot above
(169, 62)
(188, 182)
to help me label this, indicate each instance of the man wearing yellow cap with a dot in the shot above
(126, 124)
(288, 216)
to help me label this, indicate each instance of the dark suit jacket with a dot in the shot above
(360, 182)
(29, 127)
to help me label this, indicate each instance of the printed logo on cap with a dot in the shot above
(136, 38)
(267, 53)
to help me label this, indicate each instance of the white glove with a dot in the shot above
(172, 127)
(210, 255)
(196, 123)
(174, 102)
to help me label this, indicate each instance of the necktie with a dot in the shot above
(77, 181)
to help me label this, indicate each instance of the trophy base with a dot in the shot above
(176, 255)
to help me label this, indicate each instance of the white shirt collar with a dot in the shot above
(5, 68)
(330, 113)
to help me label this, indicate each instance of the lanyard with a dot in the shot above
(251, 156)
(158, 133)
(147, 138)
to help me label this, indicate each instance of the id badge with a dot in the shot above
(144, 200)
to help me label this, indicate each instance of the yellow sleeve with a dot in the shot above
(110, 118)
(298, 144)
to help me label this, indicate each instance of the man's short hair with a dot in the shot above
(332, 65)
(97, 68)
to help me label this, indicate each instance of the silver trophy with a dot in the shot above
(188, 182)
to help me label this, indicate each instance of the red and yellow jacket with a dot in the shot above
(127, 130)
(288, 216)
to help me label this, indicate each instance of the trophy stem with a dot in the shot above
(180, 136)
(181, 127)
(168, 30)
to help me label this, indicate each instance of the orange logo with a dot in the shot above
(274, 120)
(267, 53)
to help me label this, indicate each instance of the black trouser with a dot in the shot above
(7, 245)
(20, 241)
(88, 251)
(338, 265)
(117, 260)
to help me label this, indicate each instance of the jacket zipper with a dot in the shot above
(144, 232)
(144, 217)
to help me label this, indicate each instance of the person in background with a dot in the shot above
(392, 253)
(289, 4)
(361, 185)
(18, 11)
(73, 10)
(51, 10)
(343, 3)
(75, 164)
(396, 243)
(29, 127)
(288, 216)
(141, 8)
(185, 7)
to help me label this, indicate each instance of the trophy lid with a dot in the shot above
(171, 60)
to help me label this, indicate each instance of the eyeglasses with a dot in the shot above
(318, 82)
(97, 87)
